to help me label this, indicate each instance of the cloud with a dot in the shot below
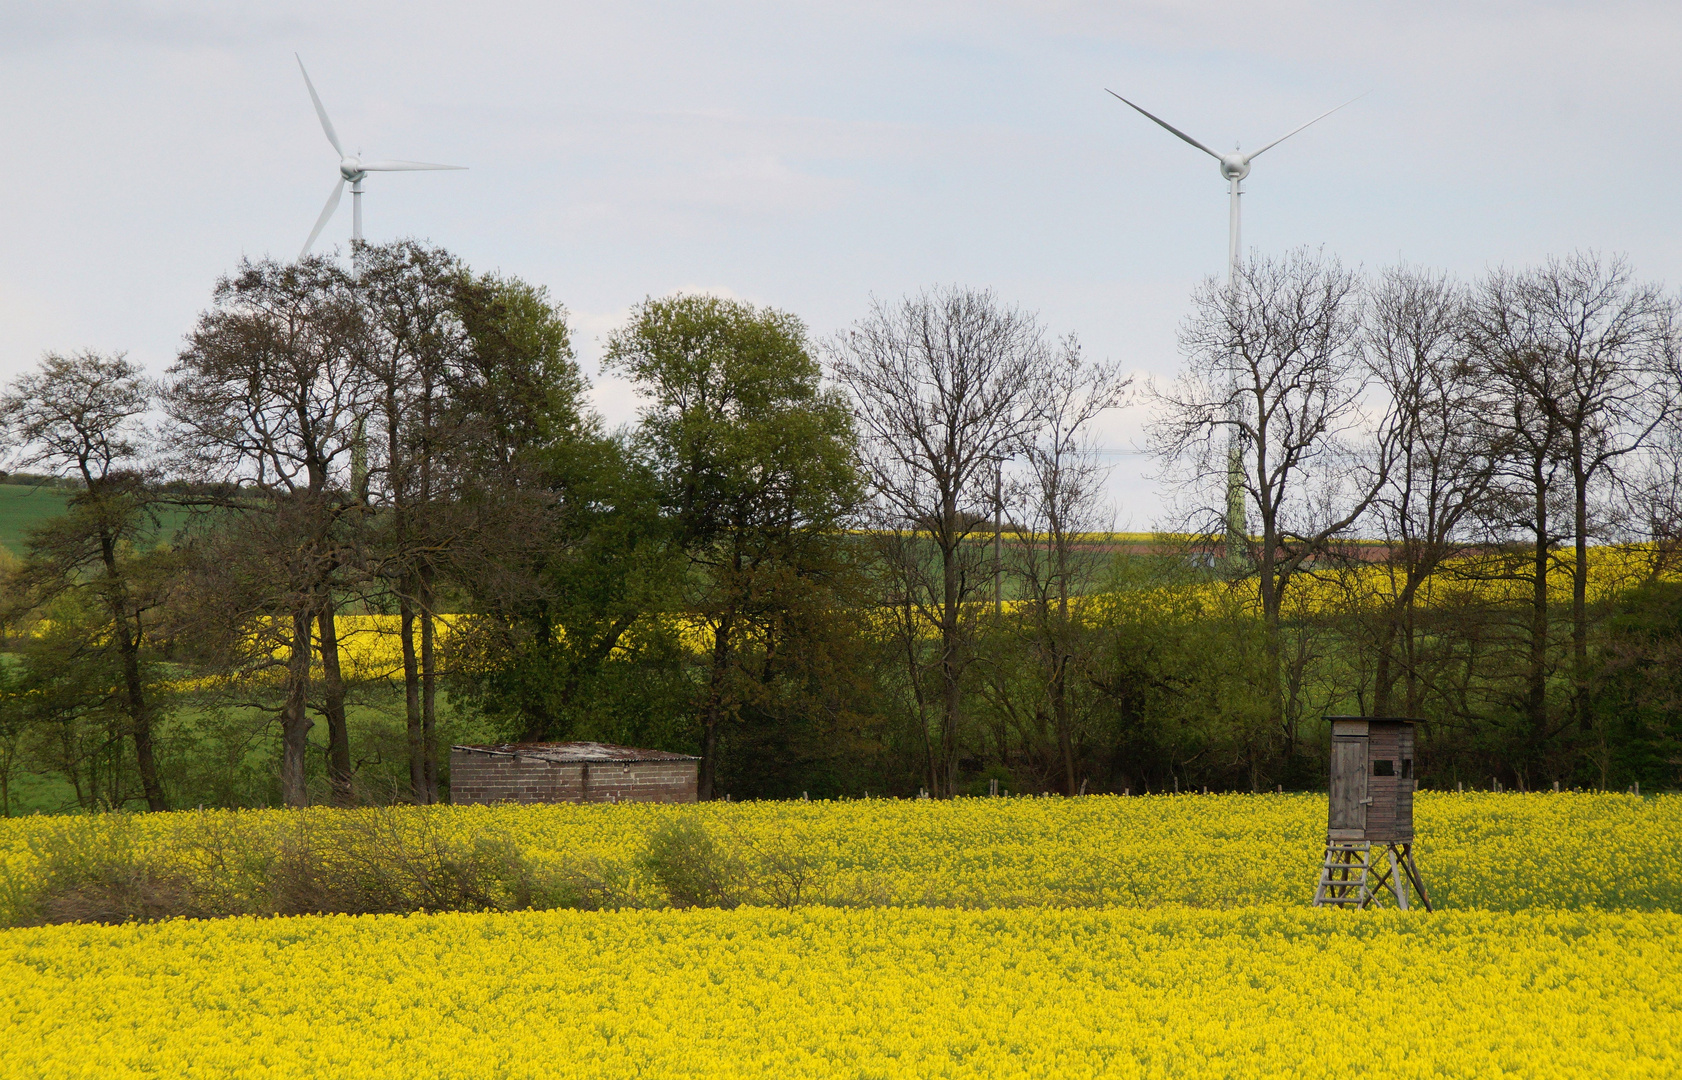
(808, 156)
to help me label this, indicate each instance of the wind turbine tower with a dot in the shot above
(352, 170)
(1234, 167)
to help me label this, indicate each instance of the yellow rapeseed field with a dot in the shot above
(371, 650)
(1613, 569)
(1264, 992)
(1509, 852)
(1151, 936)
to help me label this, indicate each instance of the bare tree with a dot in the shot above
(1061, 496)
(1594, 355)
(941, 384)
(1522, 523)
(1444, 458)
(1286, 338)
(79, 415)
(269, 396)
(1652, 503)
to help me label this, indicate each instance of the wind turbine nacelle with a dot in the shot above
(351, 169)
(1235, 166)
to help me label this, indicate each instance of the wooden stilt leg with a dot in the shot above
(1398, 880)
(1350, 877)
(1376, 887)
(1413, 873)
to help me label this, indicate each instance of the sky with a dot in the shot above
(813, 156)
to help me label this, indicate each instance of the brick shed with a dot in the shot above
(569, 772)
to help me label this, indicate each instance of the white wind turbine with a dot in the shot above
(352, 169)
(1235, 167)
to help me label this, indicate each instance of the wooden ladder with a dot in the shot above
(1344, 879)
(1343, 874)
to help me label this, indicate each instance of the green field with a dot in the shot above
(25, 507)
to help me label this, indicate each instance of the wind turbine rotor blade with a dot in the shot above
(326, 212)
(404, 166)
(1311, 123)
(1167, 125)
(326, 124)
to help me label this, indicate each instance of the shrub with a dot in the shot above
(691, 866)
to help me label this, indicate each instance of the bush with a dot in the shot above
(103, 876)
(692, 867)
(587, 885)
(358, 863)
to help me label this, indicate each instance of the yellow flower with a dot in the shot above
(914, 993)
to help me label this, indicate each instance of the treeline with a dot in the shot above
(872, 565)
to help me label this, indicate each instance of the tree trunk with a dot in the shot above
(1536, 697)
(333, 705)
(429, 687)
(1060, 672)
(1383, 678)
(134, 691)
(411, 698)
(1060, 715)
(951, 704)
(1399, 625)
(8, 757)
(914, 672)
(140, 718)
(951, 667)
(1410, 649)
(707, 781)
(1270, 598)
(1580, 606)
(712, 710)
(295, 722)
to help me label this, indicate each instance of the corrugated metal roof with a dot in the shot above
(576, 751)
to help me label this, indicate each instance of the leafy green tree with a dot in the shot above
(79, 416)
(1179, 689)
(753, 459)
(72, 704)
(1638, 687)
(558, 535)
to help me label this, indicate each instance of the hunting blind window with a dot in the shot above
(1383, 767)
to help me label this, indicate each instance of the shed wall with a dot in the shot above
(491, 778)
(1406, 785)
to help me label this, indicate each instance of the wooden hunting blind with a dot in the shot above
(1372, 786)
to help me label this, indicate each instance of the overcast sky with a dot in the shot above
(808, 156)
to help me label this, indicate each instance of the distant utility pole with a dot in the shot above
(998, 537)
